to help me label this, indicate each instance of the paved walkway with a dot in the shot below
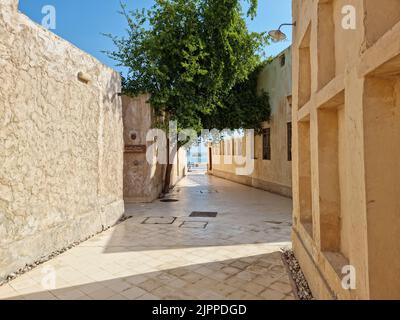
(162, 253)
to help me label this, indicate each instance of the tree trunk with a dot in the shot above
(168, 171)
(167, 178)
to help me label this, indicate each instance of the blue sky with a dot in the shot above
(82, 22)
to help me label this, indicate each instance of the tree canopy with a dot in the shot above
(197, 60)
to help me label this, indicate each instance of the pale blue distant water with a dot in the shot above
(197, 154)
(202, 159)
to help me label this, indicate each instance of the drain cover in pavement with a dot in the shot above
(194, 224)
(169, 200)
(274, 222)
(208, 191)
(203, 214)
(159, 220)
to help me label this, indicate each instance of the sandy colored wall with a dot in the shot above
(61, 143)
(179, 169)
(345, 146)
(276, 174)
(143, 181)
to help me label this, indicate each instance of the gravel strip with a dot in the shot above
(303, 290)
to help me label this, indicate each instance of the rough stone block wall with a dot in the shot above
(61, 143)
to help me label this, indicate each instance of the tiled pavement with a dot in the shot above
(232, 256)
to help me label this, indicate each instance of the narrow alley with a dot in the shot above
(161, 252)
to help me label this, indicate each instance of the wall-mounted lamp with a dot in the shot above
(278, 35)
(83, 77)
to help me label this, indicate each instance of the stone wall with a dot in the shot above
(273, 175)
(143, 181)
(61, 143)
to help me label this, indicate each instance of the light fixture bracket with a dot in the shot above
(278, 35)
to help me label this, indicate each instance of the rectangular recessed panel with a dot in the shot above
(273, 222)
(208, 191)
(203, 214)
(159, 220)
(194, 224)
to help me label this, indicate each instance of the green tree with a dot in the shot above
(242, 108)
(188, 54)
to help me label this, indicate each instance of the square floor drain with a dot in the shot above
(274, 222)
(194, 224)
(203, 214)
(159, 220)
(208, 191)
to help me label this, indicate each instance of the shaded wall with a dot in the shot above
(61, 143)
(143, 180)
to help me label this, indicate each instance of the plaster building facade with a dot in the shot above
(346, 146)
(272, 149)
(61, 143)
(143, 180)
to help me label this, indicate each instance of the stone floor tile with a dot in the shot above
(133, 293)
(150, 284)
(246, 275)
(68, 294)
(270, 294)
(149, 296)
(253, 288)
(117, 297)
(44, 295)
(230, 270)
(165, 291)
(6, 291)
(219, 276)
(118, 285)
(222, 289)
(192, 277)
(102, 294)
(22, 283)
(91, 287)
(177, 283)
(281, 287)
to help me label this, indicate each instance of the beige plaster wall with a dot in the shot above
(143, 181)
(353, 146)
(61, 143)
(179, 168)
(276, 174)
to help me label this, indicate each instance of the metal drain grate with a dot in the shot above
(274, 222)
(194, 224)
(169, 200)
(279, 223)
(203, 214)
(159, 220)
(208, 191)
